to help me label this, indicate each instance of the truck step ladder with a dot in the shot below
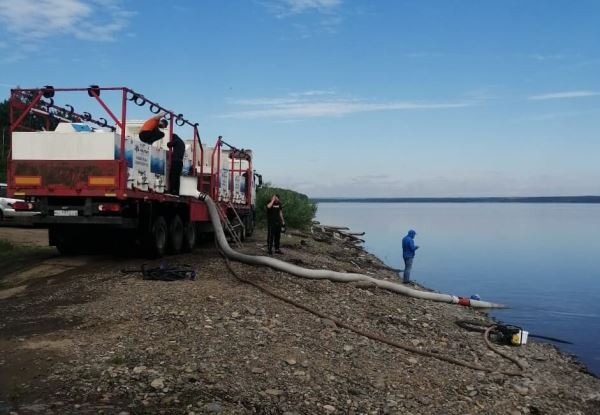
(232, 228)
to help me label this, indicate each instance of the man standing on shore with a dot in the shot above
(408, 253)
(274, 223)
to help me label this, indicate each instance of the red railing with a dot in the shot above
(40, 101)
(24, 102)
(234, 154)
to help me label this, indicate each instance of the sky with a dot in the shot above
(401, 98)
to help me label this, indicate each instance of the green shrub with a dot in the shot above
(6, 246)
(298, 209)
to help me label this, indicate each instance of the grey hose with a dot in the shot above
(327, 274)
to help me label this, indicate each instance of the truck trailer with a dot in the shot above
(94, 182)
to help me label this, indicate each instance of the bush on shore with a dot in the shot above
(298, 209)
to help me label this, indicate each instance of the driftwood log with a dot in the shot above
(326, 233)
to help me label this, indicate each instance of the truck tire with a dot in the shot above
(240, 228)
(157, 241)
(189, 236)
(65, 241)
(249, 223)
(66, 248)
(175, 239)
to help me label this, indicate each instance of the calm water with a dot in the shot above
(543, 260)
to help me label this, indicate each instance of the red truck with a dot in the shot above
(95, 183)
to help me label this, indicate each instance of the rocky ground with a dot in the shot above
(79, 336)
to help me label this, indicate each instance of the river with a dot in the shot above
(543, 260)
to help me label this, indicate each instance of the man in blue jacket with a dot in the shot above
(408, 253)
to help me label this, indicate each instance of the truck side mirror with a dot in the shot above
(260, 180)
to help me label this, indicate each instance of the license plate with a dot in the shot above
(65, 213)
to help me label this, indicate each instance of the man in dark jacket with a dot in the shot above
(274, 223)
(408, 253)
(177, 146)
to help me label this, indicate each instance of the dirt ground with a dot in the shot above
(78, 335)
(24, 236)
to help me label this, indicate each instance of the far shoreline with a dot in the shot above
(495, 199)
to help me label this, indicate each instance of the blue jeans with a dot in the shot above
(407, 267)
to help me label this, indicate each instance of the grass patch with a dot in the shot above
(15, 257)
(16, 394)
(117, 360)
(9, 249)
(6, 246)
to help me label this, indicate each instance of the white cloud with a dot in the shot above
(312, 104)
(557, 115)
(563, 95)
(283, 8)
(291, 98)
(328, 13)
(425, 54)
(541, 57)
(313, 93)
(39, 19)
(31, 22)
(264, 101)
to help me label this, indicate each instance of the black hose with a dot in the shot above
(48, 91)
(473, 325)
(93, 90)
(480, 326)
(163, 273)
(552, 339)
(139, 100)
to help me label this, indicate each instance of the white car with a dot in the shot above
(7, 207)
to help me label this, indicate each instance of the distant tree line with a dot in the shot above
(525, 199)
(298, 209)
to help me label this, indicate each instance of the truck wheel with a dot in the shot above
(158, 237)
(189, 236)
(62, 239)
(240, 230)
(249, 222)
(65, 241)
(175, 240)
(66, 248)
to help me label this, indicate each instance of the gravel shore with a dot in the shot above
(92, 339)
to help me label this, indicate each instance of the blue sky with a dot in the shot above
(346, 98)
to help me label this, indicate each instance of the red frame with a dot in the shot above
(118, 166)
(216, 184)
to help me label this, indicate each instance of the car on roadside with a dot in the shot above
(11, 209)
